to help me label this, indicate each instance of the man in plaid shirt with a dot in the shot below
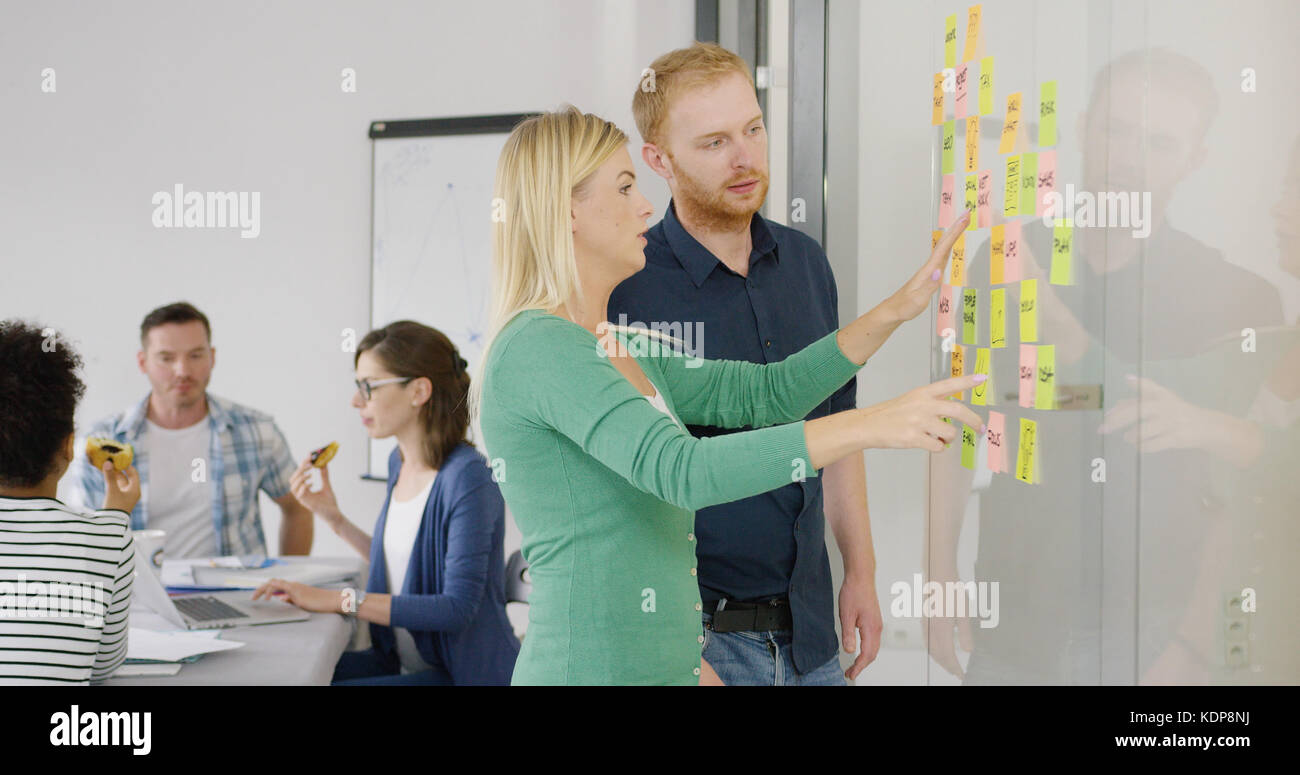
(201, 459)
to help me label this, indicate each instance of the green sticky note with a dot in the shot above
(1011, 200)
(1047, 114)
(972, 199)
(986, 86)
(950, 41)
(968, 446)
(1028, 183)
(969, 302)
(1045, 387)
(1062, 254)
(949, 145)
(998, 318)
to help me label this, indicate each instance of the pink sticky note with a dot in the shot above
(1028, 372)
(1046, 177)
(985, 191)
(959, 104)
(997, 443)
(946, 309)
(945, 202)
(1011, 252)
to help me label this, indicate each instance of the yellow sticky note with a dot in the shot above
(972, 198)
(1012, 125)
(1047, 114)
(1027, 452)
(950, 41)
(935, 236)
(1029, 310)
(995, 254)
(986, 86)
(998, 317)
(1011, 198)
(972, 32)
(936, 117)
(968, 446)
(979, 393)
(958, 366)
(969, 305)
(949, 143)
(972, 144)
(1062, 254)
(957, 272)
(1045, 383)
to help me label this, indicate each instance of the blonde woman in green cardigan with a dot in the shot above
(584, 424)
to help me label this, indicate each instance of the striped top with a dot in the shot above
(65, 592)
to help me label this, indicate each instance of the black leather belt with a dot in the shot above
(758, 616)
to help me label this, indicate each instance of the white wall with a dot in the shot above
(247, 97)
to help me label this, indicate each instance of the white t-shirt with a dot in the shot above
(177, 503)
(400, 530)
(657, 401)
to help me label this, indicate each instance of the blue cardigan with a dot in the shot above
(453, 599)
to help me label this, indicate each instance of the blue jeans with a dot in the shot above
(762, 659)
(364, 668)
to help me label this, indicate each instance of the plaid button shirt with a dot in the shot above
(248, 453)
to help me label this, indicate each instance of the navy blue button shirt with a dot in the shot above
(769, 545)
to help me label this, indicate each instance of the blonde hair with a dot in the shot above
(676, 73)
(546, 163)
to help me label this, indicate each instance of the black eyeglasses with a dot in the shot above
(367, 387)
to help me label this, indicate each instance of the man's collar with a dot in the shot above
(696, 259)
(133, 422)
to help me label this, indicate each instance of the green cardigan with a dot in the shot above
(604, 486)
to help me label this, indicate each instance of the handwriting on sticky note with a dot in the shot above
(997, 452)
(979, 393)
(959, 101)
(944, 317)
(1028, 373)
(1029, 310)
(1046, 179)
(1011, 253)
(1047, 114)
(969, 303)
(998, 317)
(983, 216)
(972, 199)
(1062, 254)
(957, 268)
(958, 366)
(973, 15)
(936, 115)
(950, 41)
(972, 143)
(945, 202)
(1028, 183)
(996, 262)
(1011, 195)
(949, 144)
(1026, 454)
(968, 446)
(986, 86)
(935, 236)
(1045, 390)
(1011, 126)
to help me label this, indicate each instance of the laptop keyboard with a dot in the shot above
(206, 609)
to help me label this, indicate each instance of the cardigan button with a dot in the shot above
(697, 671)
(699, 607)
(690, 536)
(700, 639)
(692, 571)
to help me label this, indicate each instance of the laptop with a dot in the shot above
(210, 611)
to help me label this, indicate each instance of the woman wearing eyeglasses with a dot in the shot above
(435, 599)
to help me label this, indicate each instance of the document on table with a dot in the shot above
(173, 646)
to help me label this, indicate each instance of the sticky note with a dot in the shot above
(969, 303)
(983, 216)
(949, 143)
(968, 446)
(950, 41)
(972, 143)
(997, 454)
(1045, 390)
(1062, 254)
(1026, 452)
(986, 86)
(972, 198)
(1011, 196)
(979, 394)
(945, 202)
(1011, 253)
(1028, 373)
(958, 366)
(995, 254)
(1029, 310)
(973, 15)
(1011, 127)
(935, 236)
(1046, 179)
(959, 101)
(936, 117)
(1047, 114)
(957, 267)
(1028, 183)
(998, 317)
(944, 317)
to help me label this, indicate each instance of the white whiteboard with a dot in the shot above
(431, 248)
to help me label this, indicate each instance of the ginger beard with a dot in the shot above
(718, 209)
